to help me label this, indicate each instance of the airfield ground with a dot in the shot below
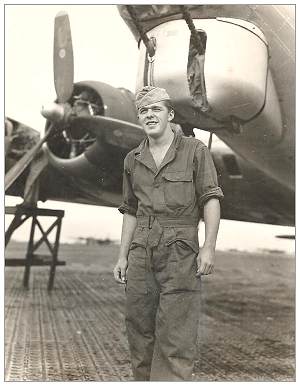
(76, 333)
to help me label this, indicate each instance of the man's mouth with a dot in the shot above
(151, 123)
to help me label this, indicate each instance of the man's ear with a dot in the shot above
(171, 115)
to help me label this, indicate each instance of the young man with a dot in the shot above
(168, 181)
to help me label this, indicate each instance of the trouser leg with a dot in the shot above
(140, 325)
(176, 336)
(179, 311)
(142, 299)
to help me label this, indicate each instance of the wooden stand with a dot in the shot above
(21, 214)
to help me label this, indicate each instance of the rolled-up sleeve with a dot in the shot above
(206, 180)
(129, 204)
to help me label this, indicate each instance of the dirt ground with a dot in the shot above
(76, 332)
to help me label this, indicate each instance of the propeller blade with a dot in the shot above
(63, 63)
(113, 131)
(24, 162)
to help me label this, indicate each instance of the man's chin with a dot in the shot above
(152, 133)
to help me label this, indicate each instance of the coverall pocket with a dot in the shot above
(183, 265)
(136, 271)
(178, 189)
(139, 238)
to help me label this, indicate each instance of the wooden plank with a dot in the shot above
(17, 262)
(34, 211)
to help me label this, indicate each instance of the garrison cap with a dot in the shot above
(149, 94)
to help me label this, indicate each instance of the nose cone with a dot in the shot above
(53, 112)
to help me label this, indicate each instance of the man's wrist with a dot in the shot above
(209, 245)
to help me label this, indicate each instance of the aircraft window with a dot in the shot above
(232, 166)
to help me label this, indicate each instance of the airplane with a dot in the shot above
(229, 69)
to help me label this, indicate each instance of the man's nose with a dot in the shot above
(149, 113)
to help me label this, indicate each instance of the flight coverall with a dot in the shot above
(162, 290)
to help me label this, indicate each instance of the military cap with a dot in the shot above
(149, 94)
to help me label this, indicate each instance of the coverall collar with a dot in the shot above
(143, 154)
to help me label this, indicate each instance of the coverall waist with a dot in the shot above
(154, 227)
(147, 221)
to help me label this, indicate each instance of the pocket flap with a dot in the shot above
(139, 238)
(178, 176)
(185, 244)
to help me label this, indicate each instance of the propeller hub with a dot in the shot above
(53, 112)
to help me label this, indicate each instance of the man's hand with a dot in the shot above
(120, 271)
(205, 261)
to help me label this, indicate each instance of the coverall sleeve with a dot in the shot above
(129, 204)
(205, 176)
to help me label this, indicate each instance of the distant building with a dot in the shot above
(94, 241)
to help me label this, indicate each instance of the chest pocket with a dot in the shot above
(178, 189)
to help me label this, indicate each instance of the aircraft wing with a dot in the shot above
(97, 179)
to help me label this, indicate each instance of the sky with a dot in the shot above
(105, 50)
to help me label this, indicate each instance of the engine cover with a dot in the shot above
(235, 66)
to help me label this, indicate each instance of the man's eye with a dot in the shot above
(142, 111)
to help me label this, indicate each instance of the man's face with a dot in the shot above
(154, 118)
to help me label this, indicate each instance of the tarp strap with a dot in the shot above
(149, 43)
(210, 140)
(189, 21)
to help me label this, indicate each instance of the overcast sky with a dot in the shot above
(104, 50)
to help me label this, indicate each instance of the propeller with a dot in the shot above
(25, 161)
(63, 62)
(62, 114)
(63, 79)
(113, 131)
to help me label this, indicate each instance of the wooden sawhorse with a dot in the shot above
(21, 214)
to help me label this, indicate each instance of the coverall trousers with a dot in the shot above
(163, 306)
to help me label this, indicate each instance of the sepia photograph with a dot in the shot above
(149, 192)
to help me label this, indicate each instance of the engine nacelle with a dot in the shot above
(233, 69)
(78, 151)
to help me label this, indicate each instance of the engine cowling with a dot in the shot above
(81, 149)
